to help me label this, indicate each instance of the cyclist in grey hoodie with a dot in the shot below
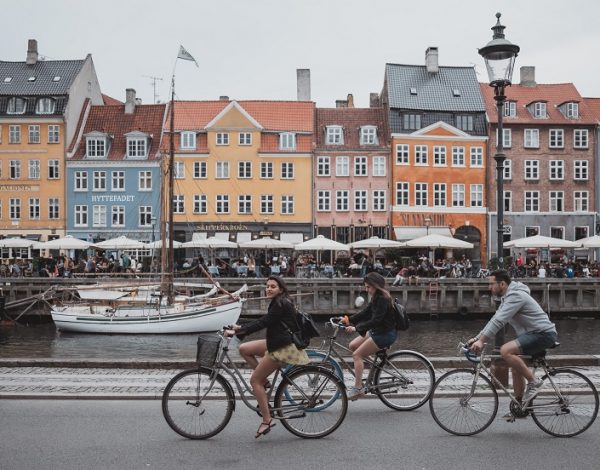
(535, 331)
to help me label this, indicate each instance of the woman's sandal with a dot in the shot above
(269, 425)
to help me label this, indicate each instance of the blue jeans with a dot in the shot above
(384, 340)
(534, 342)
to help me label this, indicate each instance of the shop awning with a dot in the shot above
(410, 233)
(291, 237)
(243, 237)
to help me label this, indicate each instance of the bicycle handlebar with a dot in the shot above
(469, 354)
(336, 322)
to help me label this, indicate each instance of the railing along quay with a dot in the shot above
(443, 298)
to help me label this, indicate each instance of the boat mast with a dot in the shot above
(168, 257)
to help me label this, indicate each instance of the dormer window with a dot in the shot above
(539, 110)
(137, 145)
(572, 110)
(188, 140)
(96, 144)
(287, 141)
(368, 135)
(16, 106)
(44, 106)
(334, 135)
(510, 109)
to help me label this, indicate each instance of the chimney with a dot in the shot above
(341, 103)
(373, 100)
(350, 100)
(431, 60)
(223, 98)
(303, 84)
(130, 101)
(32, 52)
(527, 76)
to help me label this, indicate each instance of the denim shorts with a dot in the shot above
(384, 340)
(535, 341)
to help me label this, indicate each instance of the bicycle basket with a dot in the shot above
(208, 349)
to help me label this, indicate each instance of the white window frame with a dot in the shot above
(14, 134)
(458, 195)
(287, 205)
(45, 105)
(266, 204)
(34, 169)
(580, 138)
(34, 208)
(244, 204)
(421, 194)
(99, 180)
(556, 201)
(540, 110)
(421, 155)
(53, 134)
(379, 200)
(287, 141)
(266, 170)
(137, 147)
(361, 166)
(324, 200)
(508, 201)
(476, 157)
(379, 168)
(179, 170)
(287, 170)
(244, 170)
(556, 170)
(200, 170)
(99, 215)
(54, 169)
(510, 109)
(361, 200)
(572, 110)
(440, 195)
(439, 155)
(581, 201)
(245, 138)
(402, 154)
(117, 178)
(117, 216)
(221, 169)
(145, 181)
(12, 107)
(458, 156)
(476, 191)
(14, 208)
(53, 208)
(342, 166)
(145, 216)
(96, 147)
(531, 170)
(403, 193)
(368, 135)
(334, 135)
(34, 134)
(581, 170)
(222, 138)
(188, 140)
(531, 138)
(178, 203)
(323, 165)
(342, 200)
(80, 216)
(531, 198)
(200, 204)
(556, 138)
(14, 168)
(507, 137)
(80, 181)
(507, 169)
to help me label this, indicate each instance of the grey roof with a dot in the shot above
(435, 91)
(44, 72)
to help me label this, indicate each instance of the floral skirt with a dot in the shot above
(290, 354)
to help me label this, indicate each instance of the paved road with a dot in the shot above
(131, 434)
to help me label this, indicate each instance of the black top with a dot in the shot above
(377, 316)
(277, 335)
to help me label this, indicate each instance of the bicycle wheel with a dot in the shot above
(462, 406)
(570, 411)
(404, 381)
(300, 397)
(195, 406)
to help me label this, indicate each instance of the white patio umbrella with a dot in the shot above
(376, 243)
(539, 241)
(590, 242)
(266, 243)
(210, 242)
(321, 243)
(158, 244)
(435, 240)
(120, 243)
(66, 243)
(16, 242)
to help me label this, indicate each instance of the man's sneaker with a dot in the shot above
(532, 390)
(354, 393)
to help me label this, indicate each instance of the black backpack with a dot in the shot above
(307, 329)
(400, 316)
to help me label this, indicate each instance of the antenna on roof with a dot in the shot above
(154, 80)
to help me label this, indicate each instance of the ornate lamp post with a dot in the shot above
(499, 55)
(427, 222)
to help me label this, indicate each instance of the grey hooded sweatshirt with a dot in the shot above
(519, 310)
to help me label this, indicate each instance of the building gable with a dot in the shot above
(234, 117)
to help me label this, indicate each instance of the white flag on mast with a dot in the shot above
(185, 55)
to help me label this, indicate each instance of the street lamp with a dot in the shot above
(499, 55)
(427, 222)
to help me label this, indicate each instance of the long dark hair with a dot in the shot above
(284, 294)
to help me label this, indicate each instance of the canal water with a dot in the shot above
(432, 338)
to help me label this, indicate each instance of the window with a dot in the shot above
(412, 121)
(477, 157)
(15, 169)
(421, 194)
(379, 166)
(334, 135)
(14, 134)
(244, 170)
(145, 213)
(580, 201)
(266, 170)
(532, 169)
(464, 123)
(402, 193)
(342, 200)
(81, 216)
(118, 180)
(81, 181)
(14, 208)
(402, 154)
(53, 134)
(287, 141)
(507, 140)
(287, 170)
(245, 138)
(557, 232)
(458, 195)
(118, 216)
(360, 200)
(200, 170)
(53, 208)
(44, 106)
(96, 147)
(420, 154)
(222, 170)
(572, 110)
(476, 195)
(532, 138)
(287, 204)
(323, 166)
(200, 204)
(34, 134)
(360, 166)
(178, 204)
(532, 231)
(16, 106)
(99, 178)
(34, 208)
(99, 216)
(458, 156)
(581, 232)
(557, 169)
(222, 138)
(244, 204)
(53, 169)
(580, 138)
(557, 138)
(507, 169)
(342, 166)
(323, 201)
(136, 147)
(266, 204)
(188, 140)
(368, 135)
(580, 170)
(532, 201)
(539, 110)
(33, 167)
(145, 181)
(508, 201)
(379, 200)
(179, 170)
(510, 109)
(439, 194)
(439, 155)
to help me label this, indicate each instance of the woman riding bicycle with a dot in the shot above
(277, 350)
(376, 327)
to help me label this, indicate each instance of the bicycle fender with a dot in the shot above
(416, 353)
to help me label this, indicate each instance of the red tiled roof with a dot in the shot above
(351, 119)
(593, 105)
(111, 119)
(553, 94)
(109, 100)
(272, 115)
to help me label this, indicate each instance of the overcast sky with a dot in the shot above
(250, 49)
